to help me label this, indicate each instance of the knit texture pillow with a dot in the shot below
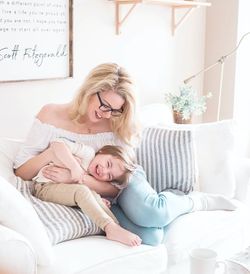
(168, 158)
(61, 222)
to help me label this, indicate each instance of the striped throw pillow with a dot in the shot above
(168, 158)
(61, 222)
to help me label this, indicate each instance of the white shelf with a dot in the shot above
(189, 5)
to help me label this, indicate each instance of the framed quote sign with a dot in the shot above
(35, 39)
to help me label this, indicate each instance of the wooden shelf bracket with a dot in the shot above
(174, 23)
(118, 20)
(174, 4)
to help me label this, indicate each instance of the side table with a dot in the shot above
(240, 262)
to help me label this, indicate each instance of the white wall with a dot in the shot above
(221, 38)
(226, 22)
(157, 61)
(242, 84)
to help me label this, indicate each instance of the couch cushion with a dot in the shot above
(168, 158)
(61, 222)
(96, 254)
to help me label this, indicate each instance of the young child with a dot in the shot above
(110, 163)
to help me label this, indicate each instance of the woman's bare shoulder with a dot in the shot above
(51, 112)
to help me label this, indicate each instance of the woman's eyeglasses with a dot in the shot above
(105, 108)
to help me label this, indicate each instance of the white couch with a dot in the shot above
(25, 249)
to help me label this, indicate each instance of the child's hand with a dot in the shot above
(106, 202)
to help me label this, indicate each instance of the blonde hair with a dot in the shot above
(110, 77)
(126, 156)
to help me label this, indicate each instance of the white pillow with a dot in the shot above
(168, 158)
(62, 223)
(15, 211)
(215, 144)
(8, 151)
(18, 214)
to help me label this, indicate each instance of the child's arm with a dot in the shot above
(105, 189)
(62, 175)
(64, 156)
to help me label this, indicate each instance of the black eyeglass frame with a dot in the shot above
(104, 108)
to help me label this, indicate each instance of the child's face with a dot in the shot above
(106, 167)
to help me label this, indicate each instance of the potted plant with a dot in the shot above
(186, 104)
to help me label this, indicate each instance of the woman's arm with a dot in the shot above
(30, 168)
(36, 141)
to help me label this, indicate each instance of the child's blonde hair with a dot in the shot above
(127, 158)
(109, 77)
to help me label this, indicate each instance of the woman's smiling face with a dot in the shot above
(110, 99)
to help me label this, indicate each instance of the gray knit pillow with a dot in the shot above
(61, 222)
(168, 158)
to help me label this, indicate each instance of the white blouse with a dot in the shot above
(41, 134)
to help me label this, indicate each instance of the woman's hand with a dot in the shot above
(58, 174)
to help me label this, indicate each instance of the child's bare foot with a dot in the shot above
(115, 232)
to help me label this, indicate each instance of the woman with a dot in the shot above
(87, 120)
(103, 113)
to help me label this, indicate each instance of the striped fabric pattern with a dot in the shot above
(168, 158)
(62, 222)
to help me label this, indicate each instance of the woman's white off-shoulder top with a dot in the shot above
(41, 134)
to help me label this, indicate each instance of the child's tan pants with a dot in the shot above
(76, 195)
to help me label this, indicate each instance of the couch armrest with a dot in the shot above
(17, 214)
(242, 176)
(16, 253)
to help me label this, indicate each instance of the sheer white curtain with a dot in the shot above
(242, 78)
